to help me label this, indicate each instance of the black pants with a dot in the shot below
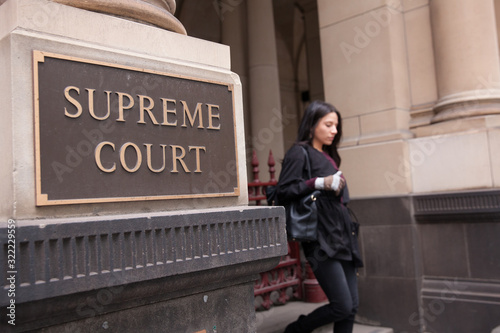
(338, 279)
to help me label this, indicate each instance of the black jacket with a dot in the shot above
(337, 233)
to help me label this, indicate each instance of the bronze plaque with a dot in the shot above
(107, 133)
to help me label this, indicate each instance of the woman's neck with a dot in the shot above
(318, 147)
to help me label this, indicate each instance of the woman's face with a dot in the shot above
(325, 131)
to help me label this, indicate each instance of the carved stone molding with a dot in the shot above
(66, 256)
(462, 207)
(453, 290)
(155, 12)
(467, 104)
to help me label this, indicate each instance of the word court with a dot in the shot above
(144, 114)
(128, 134)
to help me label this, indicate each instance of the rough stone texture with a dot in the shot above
(220, 310)
(75, 269)
(388, 284)
(66, 256)
(432, 260)
(186, 303)
(452, 305)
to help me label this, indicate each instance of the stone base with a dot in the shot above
(171, 272)
(430, 263)
(209, 303)
(180, 265)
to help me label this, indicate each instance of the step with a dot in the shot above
(278, 317)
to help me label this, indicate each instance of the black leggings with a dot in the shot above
(338, 279)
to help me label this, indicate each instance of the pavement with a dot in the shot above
(278, 317)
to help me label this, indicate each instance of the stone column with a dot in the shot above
(313, 49)
(467, 60)
(265, 106)
(233, 31)
(128, 261)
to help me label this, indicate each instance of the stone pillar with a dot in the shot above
(131, 260)
(155, 12)
(265, 106)
(234, 24)
(365, 75)
(313, 50)
(497, 16)
(467, 60)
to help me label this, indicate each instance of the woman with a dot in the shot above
(334, 257)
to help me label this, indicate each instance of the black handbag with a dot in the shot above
(272, 195)
(302, 214)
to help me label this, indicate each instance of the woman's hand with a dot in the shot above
(331, 183)
(341, 186)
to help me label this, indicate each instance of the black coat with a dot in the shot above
(337, 233)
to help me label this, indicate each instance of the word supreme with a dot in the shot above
(123, 107)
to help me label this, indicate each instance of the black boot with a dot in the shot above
(296, 326)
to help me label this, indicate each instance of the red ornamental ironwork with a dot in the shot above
(285, 281)
(256, 188)
(282, 283)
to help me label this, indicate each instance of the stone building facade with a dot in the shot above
(169, 247)
(418, 85)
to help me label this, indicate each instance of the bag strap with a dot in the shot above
(308, 164)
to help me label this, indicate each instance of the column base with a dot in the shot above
(479, 122)
(141, 11)
(467, 104)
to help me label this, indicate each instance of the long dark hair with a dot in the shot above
(313, 113)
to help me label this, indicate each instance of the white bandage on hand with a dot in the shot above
(319, 183)
(328, 183)
(336, 180)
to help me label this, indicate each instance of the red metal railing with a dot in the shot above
(284, 281)
(256, 188)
